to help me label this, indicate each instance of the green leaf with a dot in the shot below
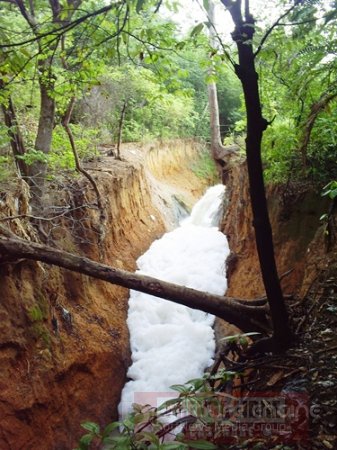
(110, 428)
(206, 4)
(180, 388)
(139, 6)
(174, 446)
(197, 30)
(129, 422)
(197, 383)
(85, 441)
(170, 402)
(150, 437)
(125, 38)
(180, 45)
(122, 442)
(91, 426)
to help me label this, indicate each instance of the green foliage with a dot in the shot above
(151, 110)
(33, 156)
(297, 66)
(161, 78)
(61, 156)
(330, 190)
(4, 137)
(321, 152)
(196, 63)
(143, 428)
(204, 167)
(279, 150)
(35, 314)
(5, 168)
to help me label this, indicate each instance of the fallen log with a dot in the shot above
(244, 316)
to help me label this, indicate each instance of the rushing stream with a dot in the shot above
(170, 343)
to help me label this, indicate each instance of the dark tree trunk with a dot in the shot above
(17, 144)
(256, 124)
(247, 318)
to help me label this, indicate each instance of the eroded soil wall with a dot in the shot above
(64, 343)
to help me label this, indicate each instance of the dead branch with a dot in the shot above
(46, 219)
(315, 110)
(247, 318)
(79, 168)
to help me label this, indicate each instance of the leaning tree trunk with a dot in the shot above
(315, 110)
(219, 152)
(216, 143)
(256, 124)
(238, 312)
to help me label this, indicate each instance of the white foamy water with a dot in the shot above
(171, 343)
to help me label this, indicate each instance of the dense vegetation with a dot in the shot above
(114, 62)
(298, 71)
(112, 76)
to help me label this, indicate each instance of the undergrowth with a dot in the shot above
(205, 413)
(204, 167)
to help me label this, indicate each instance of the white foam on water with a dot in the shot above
(171, 343)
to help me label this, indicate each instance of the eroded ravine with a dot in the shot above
(64, 343)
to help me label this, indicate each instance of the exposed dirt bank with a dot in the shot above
(64, 345)
(294, 213)
(298, 234)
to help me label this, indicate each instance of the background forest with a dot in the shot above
(125, 69)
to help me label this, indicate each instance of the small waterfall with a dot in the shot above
(171, 343)
(208, 210)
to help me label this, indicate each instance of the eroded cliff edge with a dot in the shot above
(294, 211)
(64, 344)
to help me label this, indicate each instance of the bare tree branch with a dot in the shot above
(275, 24)
(158, 6)
(244, 316)
(64, 28)
(79, 168)
(315, 110)
(46, 219)
(26, 14)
